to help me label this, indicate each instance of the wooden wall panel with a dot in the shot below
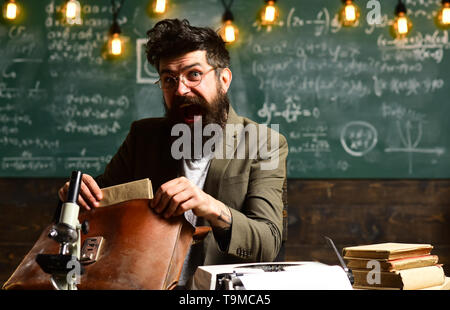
(27, 207)
(351, 212)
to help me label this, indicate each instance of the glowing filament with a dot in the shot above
(350, 12)
(11, 10)
(402, 25)
(116, 45)
(160, 6)
(269, 14)
(71, 10)
(446, 16)
(229, 33)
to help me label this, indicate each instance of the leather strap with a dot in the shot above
(200, 233)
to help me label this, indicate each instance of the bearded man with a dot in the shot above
(239, 198)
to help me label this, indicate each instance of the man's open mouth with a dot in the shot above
(191, 112)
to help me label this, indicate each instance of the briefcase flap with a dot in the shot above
(140, 250)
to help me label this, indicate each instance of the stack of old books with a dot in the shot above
(395, 266)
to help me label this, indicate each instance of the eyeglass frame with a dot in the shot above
(178, 79)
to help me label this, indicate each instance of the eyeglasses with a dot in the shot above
(190, 78)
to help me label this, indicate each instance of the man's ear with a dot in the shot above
(225, 79)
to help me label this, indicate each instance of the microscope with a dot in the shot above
(65, 267)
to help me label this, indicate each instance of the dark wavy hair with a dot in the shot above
(174, 37)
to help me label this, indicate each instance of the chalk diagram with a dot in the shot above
(145, 73)
(410, 143)
(358, 138)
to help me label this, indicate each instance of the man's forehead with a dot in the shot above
(177, 62)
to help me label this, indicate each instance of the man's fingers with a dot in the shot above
(87, 196)
(90, 193)
(82, 203)
(166, 192)
(176, 201)
(185, 206)
(93, 186)
(160, 192)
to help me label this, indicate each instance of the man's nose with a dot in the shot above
(182, 89)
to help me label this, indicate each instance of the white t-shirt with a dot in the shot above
(195, 170)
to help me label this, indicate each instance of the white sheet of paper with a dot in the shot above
(312, 276)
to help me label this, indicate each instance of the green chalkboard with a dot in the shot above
(352, 102)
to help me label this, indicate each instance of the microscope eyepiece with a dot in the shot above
(74, 186)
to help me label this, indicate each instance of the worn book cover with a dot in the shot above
(408, 279)
(392, 264)
(388, 250)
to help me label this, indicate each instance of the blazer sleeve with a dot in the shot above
(256, 232)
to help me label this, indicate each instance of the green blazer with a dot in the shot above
(254, 195)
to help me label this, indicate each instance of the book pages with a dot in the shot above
(140, 189)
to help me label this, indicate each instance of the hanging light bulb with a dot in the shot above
(269, 13)
(10, 10)
(443, 15)
(349, 14)
(73, 12)
(159, 6)
(115, 47)
(115, 42)
(229, 32)
(402, 24)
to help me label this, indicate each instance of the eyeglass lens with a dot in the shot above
(190, 79)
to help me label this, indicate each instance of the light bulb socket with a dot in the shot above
(345, 1)
(115, 28)
(444, 2)
(227, 16)
(267, 1)
(400, 8)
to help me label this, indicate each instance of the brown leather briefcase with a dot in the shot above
(139, 250)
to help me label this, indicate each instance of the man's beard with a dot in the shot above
(215, 112)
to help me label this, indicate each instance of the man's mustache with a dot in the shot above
(181, 102)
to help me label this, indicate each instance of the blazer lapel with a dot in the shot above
(219, 165)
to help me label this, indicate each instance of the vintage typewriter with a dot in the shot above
(277, 275)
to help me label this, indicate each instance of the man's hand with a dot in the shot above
(179, 195)
(90, 193)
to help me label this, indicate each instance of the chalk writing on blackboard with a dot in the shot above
(410, 125)
(310, 75)
(358, 138)
(86, 163)
(290, 114)
(26, 161)
(317, 165)
(411, 134)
